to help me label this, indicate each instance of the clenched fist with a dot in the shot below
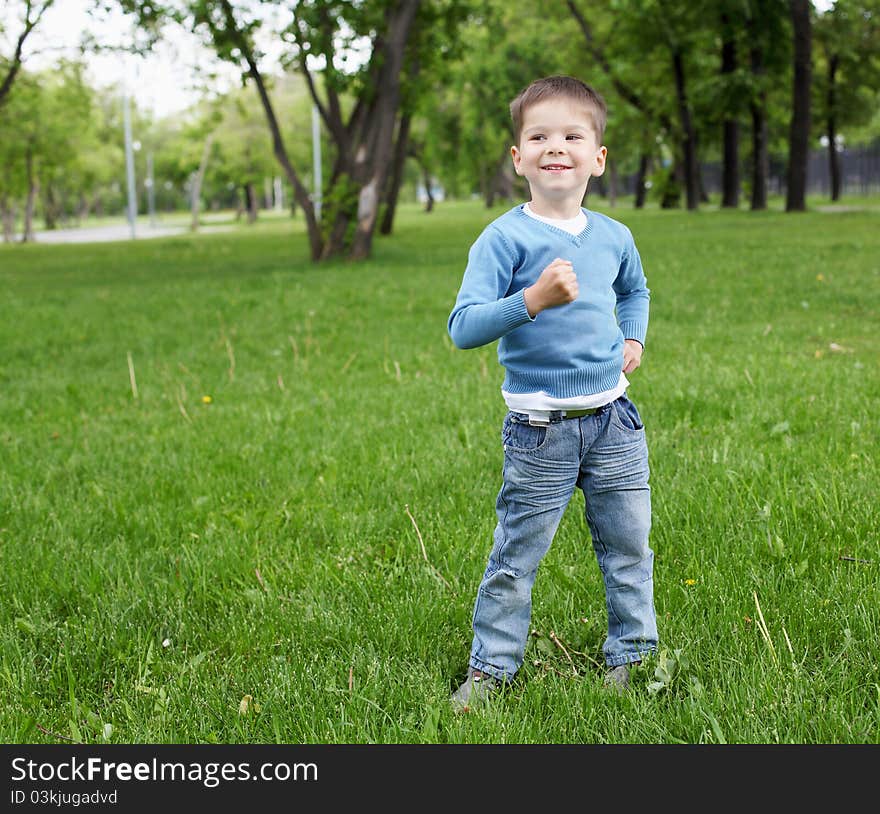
(556, 286)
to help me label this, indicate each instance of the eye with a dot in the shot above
(574, 137)
(537, 137)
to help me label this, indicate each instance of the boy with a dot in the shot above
(563, 290)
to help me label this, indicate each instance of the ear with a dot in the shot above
(516, 155)
(599, 165)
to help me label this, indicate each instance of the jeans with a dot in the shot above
(606, 456)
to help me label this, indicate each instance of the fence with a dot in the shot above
(859, 173)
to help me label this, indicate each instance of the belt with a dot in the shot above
(579, 413)
(562, 414)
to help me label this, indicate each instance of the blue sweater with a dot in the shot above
(570, 350)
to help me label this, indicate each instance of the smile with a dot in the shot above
(554, 167)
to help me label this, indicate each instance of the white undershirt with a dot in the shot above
(574, 225)
(540, 404)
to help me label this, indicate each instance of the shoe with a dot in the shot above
(617, 678)
(476, 690)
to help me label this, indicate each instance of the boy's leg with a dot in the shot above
(539, 476)
(614, 479)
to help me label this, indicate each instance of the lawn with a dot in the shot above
(248, 499)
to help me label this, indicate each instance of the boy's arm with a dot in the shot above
(633, 297)
(482, 311)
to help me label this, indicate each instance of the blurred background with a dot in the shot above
(173, 113)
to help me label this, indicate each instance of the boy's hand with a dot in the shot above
(557, 285)
(632, 355)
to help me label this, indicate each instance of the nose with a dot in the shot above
(555, 145)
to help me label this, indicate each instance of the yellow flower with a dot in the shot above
(206, 399)
(690, 582)
(820, 278)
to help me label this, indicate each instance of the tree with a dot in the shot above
(244, 157)
(321, 37)
(758, 108)
(730, 126)
(40, 150)
(364, 140)
(848, 36)
(799, 127)
(13, 147)
(464, 124)
(58, 148)
(641, 28)
(434, 47)
(30, 16)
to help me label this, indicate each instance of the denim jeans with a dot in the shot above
(606, 456)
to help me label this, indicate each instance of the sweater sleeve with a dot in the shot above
(633, 294)
(483, 310)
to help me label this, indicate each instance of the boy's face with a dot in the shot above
(558, 152)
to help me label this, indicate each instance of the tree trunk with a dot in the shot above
(494, 179)
(300, 192)
(504, 178)
(799, 127)
(730, 127)
(51, 208)
(278, 148)
(373, 156)
(641, 180)
(689, 147)
(671, 197)
(490, 196)
(33, 189)
(760, 155)
(196, 192)
(83, 209)
(429, 196)
(250, 195)
(831, 128)
(364, 145)
(760, 170)
(7, 210)
(396, 180)
(704, 195)
(612, 183)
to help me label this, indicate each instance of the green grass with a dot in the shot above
(296, 561)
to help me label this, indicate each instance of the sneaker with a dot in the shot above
(617, 678)
(476, 690)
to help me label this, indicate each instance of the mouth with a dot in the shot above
(555, 167)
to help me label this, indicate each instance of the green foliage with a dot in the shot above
(67, 162)
(341, 199)
(666, 188)
(465, 62)
(848, 36)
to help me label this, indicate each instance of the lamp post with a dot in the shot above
(150, 184)
(129, 164)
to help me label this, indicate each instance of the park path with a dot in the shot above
(122, 231)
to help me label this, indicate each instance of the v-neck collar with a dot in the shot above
(578, 238)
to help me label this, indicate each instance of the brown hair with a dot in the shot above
(551, 87)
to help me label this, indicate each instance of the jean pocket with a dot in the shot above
(520, 435)
(627, 415)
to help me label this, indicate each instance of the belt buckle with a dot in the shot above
(538, 422)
